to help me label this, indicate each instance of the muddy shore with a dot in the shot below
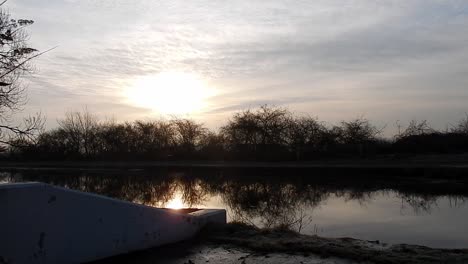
(239, 243)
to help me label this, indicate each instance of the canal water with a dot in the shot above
(392, 210)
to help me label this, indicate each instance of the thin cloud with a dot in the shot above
(308, 55)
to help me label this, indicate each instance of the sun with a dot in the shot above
(169, 93)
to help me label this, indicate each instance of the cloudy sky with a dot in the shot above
(385, 60)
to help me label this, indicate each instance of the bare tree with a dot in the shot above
(154, 138)
(415, 128)
(81, 128)
(462, 126)
(188, 134)
(358, 131)
(306, 132)
(15, 55)
(260, 127)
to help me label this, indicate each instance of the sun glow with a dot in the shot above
(170, 93)
(176, 203)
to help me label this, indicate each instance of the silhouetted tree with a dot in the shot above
(117, 140)
(415, 128)
(462, 126)
(15, 55)
(213, 146)
(188, 135)
(258, 133)
(357, 131)
(81, 128)
(155, 139)
(306, 135)
(419, 137)
(55, 144)
(242, 131)
(273, 123)
(266, 133)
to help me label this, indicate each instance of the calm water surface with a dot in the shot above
(386, 210)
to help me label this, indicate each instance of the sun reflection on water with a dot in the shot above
(176, 203)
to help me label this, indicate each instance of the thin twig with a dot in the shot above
(28, 59)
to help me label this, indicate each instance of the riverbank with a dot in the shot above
(189, 253)
(239, 243)
(443, 166)
(436, 160)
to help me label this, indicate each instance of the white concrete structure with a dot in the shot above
(40, 223)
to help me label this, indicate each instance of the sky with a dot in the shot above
(389, 61)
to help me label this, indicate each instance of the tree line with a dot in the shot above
(263, 134)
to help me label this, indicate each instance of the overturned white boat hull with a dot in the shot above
(40, 223)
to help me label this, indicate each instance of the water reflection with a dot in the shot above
(175, 203)
(330, 206)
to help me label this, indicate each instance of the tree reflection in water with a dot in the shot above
(272, 203)
(270, 200)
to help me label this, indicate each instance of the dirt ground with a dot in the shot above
(186, 253)
(238, 243)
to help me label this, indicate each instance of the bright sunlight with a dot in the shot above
(170, 93)
(176, 203)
